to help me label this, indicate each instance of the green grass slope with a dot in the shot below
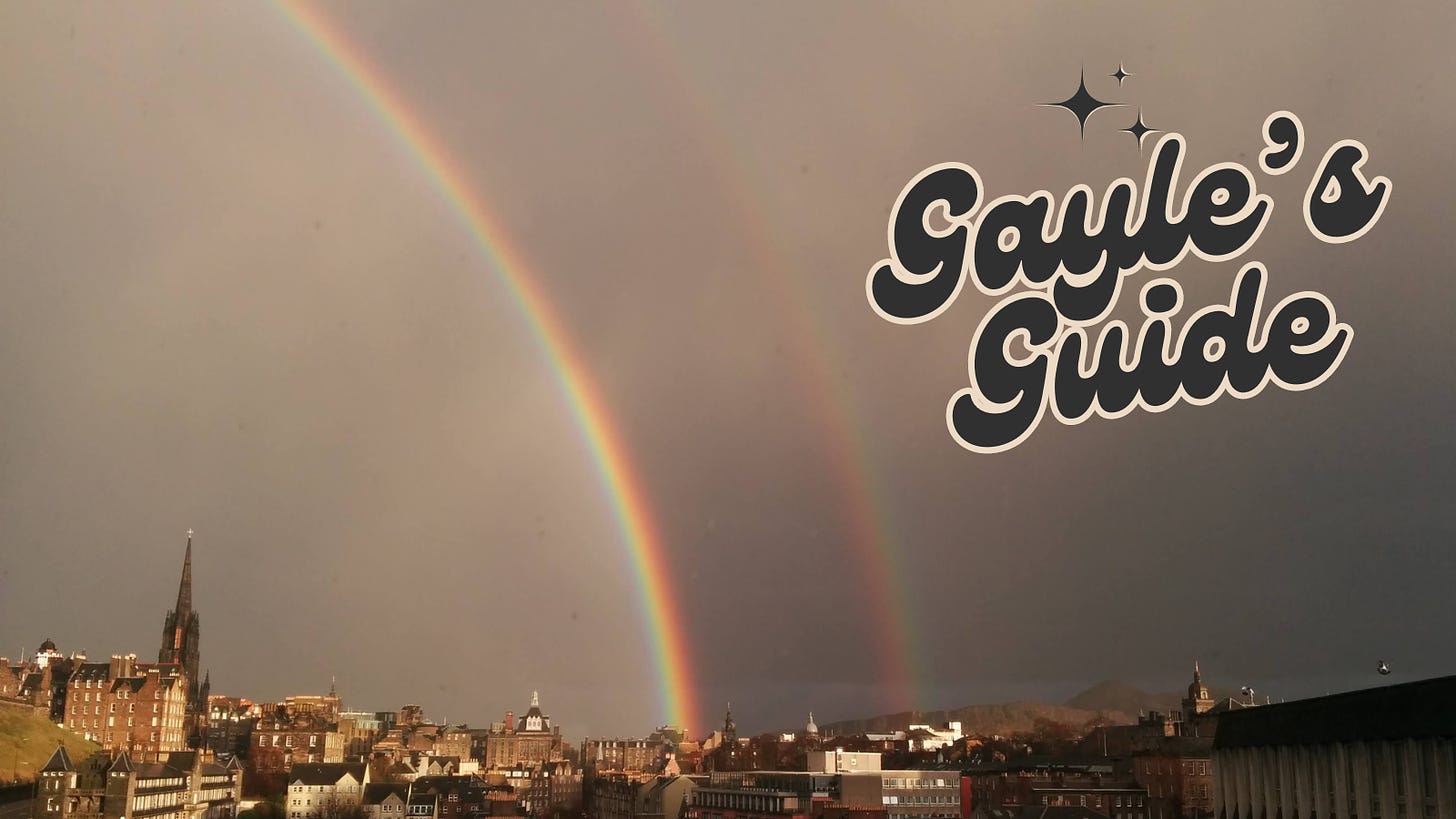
(27, 742)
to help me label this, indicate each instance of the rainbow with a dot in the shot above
(660, 613)
(896, 654)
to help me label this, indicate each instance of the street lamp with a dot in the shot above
(15, 762)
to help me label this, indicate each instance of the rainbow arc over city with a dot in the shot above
(660, 609)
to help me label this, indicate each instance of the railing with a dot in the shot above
(18, 792)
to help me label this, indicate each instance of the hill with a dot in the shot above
(1000, 719)
(1116, 695)
(1111, 702)
(27, 742)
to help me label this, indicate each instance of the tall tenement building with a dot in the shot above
(181, 637)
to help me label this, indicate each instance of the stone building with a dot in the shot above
(129, 706)
(1380, 752)
(453, 796)
(637, 796)
(323, 790)
(837, 786)
(625, 755)
(542, 789)
(1177, 773)
(282, 739)
(530, 740)
(230, 723)
(39, 684)
(726, 753)
(1096, 783)
(111, 785)
(360, 730)
(452, 741)
(385, 800)
(763, 795)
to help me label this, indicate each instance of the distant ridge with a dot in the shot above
(1116, 695)
(1003, 719)
(1110, 702)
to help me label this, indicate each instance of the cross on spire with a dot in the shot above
(184, 588)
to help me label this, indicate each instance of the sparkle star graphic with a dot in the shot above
(1121, 74)
(1082, 104)
(1139, 129)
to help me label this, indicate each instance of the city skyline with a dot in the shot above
(531, 346)
(196, 676)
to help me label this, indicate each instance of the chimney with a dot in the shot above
(122, 665)
(510, 722)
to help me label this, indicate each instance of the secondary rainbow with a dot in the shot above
(866, 509)
(659, 609)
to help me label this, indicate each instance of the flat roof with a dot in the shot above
(1413, 710)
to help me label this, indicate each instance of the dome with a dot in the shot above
(811, 728)
(48, 646)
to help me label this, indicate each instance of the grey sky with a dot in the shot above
(230, 300)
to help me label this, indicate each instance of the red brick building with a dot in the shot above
(140, 708)
(282, 739)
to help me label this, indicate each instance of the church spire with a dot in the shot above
(184, 589)
(181, 633)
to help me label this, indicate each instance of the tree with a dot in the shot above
(268, 809)
(336, 808)
(381, 771)
(1051, 737)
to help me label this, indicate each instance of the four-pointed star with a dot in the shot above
(1083, 105)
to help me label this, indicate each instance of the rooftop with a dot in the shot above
(1413, 710)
